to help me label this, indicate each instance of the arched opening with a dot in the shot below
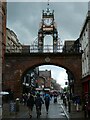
(48, 43)
(51, 77)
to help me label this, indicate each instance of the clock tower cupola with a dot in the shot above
(47, 27)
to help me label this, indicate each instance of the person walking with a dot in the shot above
(30, 104)
(25, 98)
(38, 103)
(55, 98)
(65, 101)
(47, 101)
(77, 103)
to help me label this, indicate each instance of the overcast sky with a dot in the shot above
(24, 18)
(58, 73)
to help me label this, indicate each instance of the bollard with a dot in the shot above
(12, 107)
(17, 105)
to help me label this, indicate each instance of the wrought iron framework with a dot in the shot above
(46, 49)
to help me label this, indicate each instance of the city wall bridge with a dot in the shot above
(17, 64)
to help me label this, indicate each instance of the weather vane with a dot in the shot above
(48, 3)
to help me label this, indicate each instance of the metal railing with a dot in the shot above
(44, 49)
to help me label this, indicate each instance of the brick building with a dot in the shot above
(3, 13)
(46, 76)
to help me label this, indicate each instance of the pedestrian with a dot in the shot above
(30, 104)
(55, 98)
(51, 95)
(17, 105)
(25, 98)
(88, 107)
(65, 100)
(77, 103)
(38, 103)
(47, 101)
(84, 108)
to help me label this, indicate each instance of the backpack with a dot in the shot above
(30, 101)
(38, 101)
(47, 99)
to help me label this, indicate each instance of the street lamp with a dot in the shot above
(70, 94)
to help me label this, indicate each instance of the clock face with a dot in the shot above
(48, 21)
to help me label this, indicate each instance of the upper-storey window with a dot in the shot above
(84, 33)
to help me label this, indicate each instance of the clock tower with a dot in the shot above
(47, 27)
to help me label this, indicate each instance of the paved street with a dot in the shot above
(55, 111)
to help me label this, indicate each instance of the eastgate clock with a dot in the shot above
(47, 21)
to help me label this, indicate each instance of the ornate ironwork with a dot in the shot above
(45, 49)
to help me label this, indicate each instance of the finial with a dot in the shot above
(48, 3)
(48, 6)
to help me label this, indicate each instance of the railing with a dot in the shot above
(44, 49)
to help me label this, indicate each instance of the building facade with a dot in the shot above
(70, 83)
(3, 14)
(12, 43)
(68, 45)
(46, 75)
(72, 46)
(29, 81)
(85, 46)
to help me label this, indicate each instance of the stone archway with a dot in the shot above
(17, 64)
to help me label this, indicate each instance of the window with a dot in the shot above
(84, 34)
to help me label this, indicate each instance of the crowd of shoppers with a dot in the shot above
(35, 98)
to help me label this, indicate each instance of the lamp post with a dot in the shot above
(70, 93)
(69, 101)
(69, 96)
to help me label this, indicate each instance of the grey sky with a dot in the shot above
(57, 73)
(47, 0)
(24, 19)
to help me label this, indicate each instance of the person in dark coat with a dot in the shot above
(77, 100)
(38, 102)
(30, 104)
(47, 101)
(55, 98)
